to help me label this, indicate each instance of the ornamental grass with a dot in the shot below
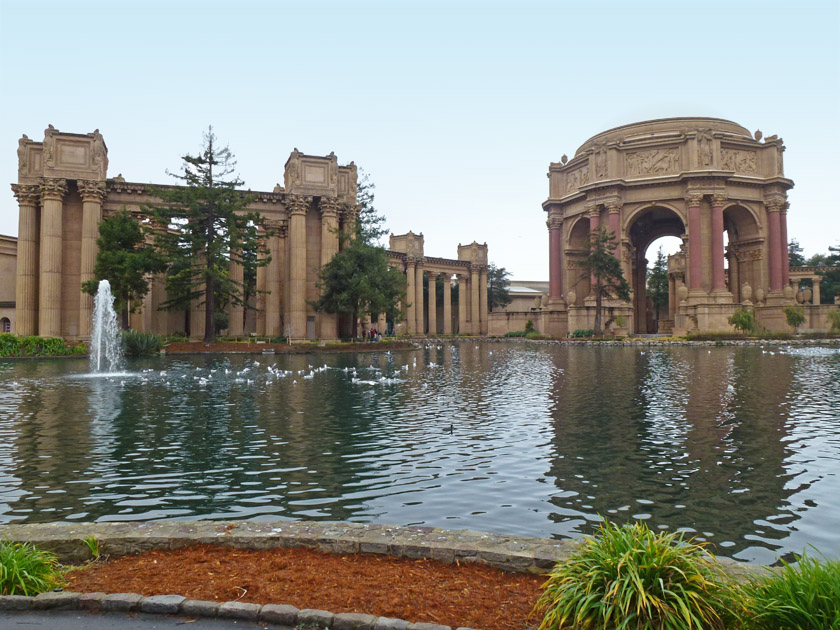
(26, 570)
(802, 596)
(629, 577)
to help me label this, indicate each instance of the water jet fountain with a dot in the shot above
(105, 341)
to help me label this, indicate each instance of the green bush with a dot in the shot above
(529, 326)
(834, 318)
(630, 577)
(137, 344)
(744, 320)
(535, 335)
(803, 596)
(515, 333)
(26, 570)
(580, 332)
(177, 337)
(795, 316)
(14, 346)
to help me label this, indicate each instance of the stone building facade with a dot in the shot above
(63, 192)
(699, 179)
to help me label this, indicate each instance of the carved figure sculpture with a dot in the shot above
(21, 153)
(704, 147)
(49, 144)
(601, 161)
(100, 154)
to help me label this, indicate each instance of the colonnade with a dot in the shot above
(39, 283)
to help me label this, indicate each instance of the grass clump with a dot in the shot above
(26, 570)
(805, 595)
(137, 344)
(630, 577)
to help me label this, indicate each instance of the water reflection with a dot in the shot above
(736, 445)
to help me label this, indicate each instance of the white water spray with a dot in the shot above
(105, 342)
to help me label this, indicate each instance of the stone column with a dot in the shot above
(420, 325)
(447, 304)
(260, 298)
(432, 276)
(329, 248)
(475, 322)
(483, 311)
(463, 300)
(92, 192)
(785, 249)
(410, 275)
(297, 206)
(614, 208)
(594, 213)
(672, 296)
(273, 282)
(26, 281)
(49, 294)
(695, 242)
(774, 209)
(236, 326)
(815, 284)
(718, 277)
(555, 258)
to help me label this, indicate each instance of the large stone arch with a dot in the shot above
(649, 223)
(745, 251)
(577, 247)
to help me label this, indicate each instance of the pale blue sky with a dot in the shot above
(454, 108)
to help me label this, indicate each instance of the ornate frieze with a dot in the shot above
(577, 178)
(122, 186)
(739, 160)
(653, 162)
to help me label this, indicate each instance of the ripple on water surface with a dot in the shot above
(738, 446)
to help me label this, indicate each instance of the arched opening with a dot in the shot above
(577, 250)
(660, 302)
(5, 325)
(744, 247)
(647, 227)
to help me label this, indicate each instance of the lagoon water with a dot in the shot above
(739, 446)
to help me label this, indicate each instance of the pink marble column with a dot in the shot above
(555, 258)
(594, 226)
(614, 208)
(695, 247)
(774, 222)
(718, 278)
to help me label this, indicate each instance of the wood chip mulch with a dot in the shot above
(464, 595)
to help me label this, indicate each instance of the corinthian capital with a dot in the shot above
(91, 190)
(693, 199)
(53, 188)
(554, 223)
(298, 204)
(27, 194)
(614, 206)
(719, 199)
(329, 207)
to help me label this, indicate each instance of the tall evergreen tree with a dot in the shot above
(605, 268)
(795, 256)
(125, 260)
(657, 281)
(203, 228)
(498, 287)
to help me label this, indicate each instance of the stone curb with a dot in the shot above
(274, 614)
(509, 553)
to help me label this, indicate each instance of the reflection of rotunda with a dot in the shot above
(694, 178)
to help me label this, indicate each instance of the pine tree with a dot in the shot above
(605, 268)
(203, 228)
(498, 285)
(657, 282)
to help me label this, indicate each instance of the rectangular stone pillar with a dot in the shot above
(297, 265)
(447, 305)
(49, 295)
(483, 311)
(410, 317)
(420, 325)
(463, 302)
(260, 298)
(26, 281)
(775, 245)
(329, 248)
(92, 193)
(273, 283)
(432, 303)
(785, 250)
(718, 277)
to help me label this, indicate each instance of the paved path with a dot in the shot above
(78, 620)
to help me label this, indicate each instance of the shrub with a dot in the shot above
(744, 320)
(795, 316)
(630, 577)
(515, 333)
(137, 344)
(529, 326)
(14, 346)
(27, 570)
(580, 332)
(221, 320)
(834, 318)
(803, 596)
(535, 335)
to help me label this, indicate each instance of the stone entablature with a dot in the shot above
(693, 178)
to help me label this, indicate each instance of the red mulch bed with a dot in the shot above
(470, 595)
(182, 347)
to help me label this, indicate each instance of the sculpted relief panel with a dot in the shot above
(739, 161)
(578, 178)
(653, 162)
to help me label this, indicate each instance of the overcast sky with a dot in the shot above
(455, 109)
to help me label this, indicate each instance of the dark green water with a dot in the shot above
(739, 446)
